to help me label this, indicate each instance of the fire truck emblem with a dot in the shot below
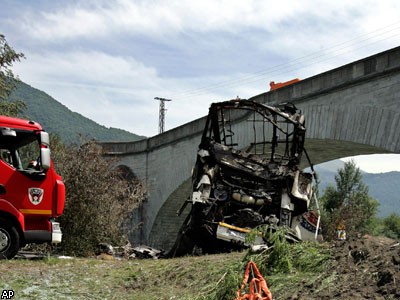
(35, 195)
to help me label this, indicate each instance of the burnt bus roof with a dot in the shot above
(287, 111)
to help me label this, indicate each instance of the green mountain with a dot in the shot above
(385, 188)
(57, 118)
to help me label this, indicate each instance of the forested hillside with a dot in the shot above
(57, 118)
(385, 188)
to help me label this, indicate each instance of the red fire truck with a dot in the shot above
(32, 194)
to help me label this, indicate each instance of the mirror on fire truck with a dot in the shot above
(44, 138)
(45, 158)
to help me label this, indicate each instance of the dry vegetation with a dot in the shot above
(100, 198)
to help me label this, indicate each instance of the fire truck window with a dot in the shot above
(29, 156)
(21, 150)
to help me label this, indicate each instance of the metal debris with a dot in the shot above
(146, 252)
(106, 251)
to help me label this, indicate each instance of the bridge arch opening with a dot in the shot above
(323, 150)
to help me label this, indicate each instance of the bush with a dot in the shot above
(98, 200)
(282, 257)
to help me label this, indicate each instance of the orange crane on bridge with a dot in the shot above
(275, 86)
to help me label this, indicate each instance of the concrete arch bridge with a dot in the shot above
(350, 110)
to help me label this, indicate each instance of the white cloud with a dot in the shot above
(100, 18)
(376, 163)
(113, 91)
(108, 60)
(87, 69)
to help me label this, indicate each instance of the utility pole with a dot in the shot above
(161, 120)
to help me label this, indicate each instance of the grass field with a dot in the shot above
(194, 278)
(89, 278)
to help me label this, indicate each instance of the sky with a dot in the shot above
(376, 163)
(108, 60)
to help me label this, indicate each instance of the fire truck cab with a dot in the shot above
(32, 194)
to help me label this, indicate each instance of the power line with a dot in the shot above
(161, 118)
(299, 63)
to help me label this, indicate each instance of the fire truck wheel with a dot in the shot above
(9, 240)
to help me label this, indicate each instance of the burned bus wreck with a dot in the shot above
(246, 176)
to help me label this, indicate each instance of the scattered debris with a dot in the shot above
(107, 251)
(104, 252)
(31, 255)
(146, 252)
(65, 257)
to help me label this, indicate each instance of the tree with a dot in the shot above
(7, 79)
(99, 200)
(392, 226)
(348, 203)
(12, 109)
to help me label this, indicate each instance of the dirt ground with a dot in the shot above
(364, 268)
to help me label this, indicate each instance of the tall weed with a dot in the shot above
(282, 257)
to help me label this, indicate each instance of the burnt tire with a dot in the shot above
(9, 239)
